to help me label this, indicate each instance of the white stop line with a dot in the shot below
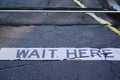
(60, 54)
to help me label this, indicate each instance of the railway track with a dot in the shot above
(109, 7)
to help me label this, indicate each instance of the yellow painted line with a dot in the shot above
(74, 59)
(80, 3)
(99, 19)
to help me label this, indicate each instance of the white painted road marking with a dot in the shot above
(59, 54)
(114, 4)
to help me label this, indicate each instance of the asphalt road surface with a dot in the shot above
(56, 30)
(47, 3)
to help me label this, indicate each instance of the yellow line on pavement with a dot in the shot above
(99, 19)
(74, 59)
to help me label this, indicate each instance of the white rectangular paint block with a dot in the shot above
(60, 54)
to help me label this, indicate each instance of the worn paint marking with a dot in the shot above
(99, 19)
(60, 54)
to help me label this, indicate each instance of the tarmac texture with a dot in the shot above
(34, 30)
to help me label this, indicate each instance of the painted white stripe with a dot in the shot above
(114, 4)
(59, 54)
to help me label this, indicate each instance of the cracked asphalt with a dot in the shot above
(56, 30)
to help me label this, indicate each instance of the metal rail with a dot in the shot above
(57, 9)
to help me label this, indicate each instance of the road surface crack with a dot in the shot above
(6, 68)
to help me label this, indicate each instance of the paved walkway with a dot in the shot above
(56, 30)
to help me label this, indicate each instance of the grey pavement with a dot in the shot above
(59, 36)
(56, 30)
(57, 70)
(47, 3)
(45, 18)
(18, 19)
